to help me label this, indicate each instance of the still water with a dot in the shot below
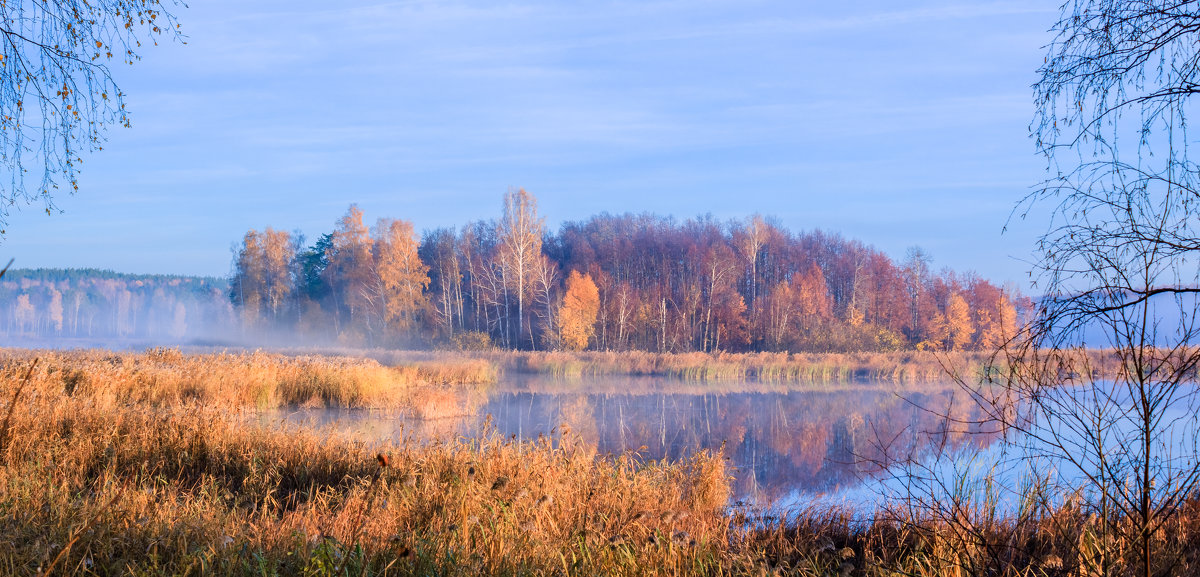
(782, 444)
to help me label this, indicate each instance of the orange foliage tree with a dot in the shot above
(997, 322)
(262, 281)
(401, 276)
(696, 285)
(350, 271)
(812, 298)
(577, 316)
(958, 322)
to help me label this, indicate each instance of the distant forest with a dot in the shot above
(92, 305)
(612, 282)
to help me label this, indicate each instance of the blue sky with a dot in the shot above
(897, 124)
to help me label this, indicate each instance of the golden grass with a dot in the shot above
(455, 371)
(1063, 539)
(139, 477)
(467, 367)
(167, 378)
(899, 367)
(94, 485)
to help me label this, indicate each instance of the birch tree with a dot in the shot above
(520, 235)
(1118, 270)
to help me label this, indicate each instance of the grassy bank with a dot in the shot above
(162, 378)
(94, 484)
(378, 378)
(485, 367)
(135, 477)
(907, 367)
(901, 367)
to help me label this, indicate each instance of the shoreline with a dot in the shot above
(135, 463)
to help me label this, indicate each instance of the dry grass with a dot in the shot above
(447, 370)
(470, 368)
(1063, 540)
(136, 477)
(901, 367)
(96, 485)
(169, 378)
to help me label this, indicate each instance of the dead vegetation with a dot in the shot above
(93, 483)
(801, 368)
(109, 465)
(167, 377)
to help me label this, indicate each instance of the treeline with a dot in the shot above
(92, 304)
(612, 282)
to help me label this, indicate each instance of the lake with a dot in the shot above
(782, 444)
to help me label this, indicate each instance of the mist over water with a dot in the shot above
(780, 443)
(54, 308)
(87, 308)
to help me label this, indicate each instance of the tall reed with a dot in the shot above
(111, 467)
(93, 485)
(900, 367)
(167, 377)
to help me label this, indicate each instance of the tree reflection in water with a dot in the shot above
(780, 442)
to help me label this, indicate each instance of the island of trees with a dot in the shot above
(612, 282)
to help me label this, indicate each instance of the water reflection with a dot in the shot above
(779, 442)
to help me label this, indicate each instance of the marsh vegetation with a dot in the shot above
(147, 464)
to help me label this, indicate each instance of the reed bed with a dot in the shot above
(900, 367)
(93, 485)
(164, 377)
(96, 479)
(954, 538)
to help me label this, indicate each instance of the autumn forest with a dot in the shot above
(612, 282)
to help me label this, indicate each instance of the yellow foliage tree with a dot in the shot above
(937, 331)
(812, 298)
(403, 278)
(248, 280)
(349, 272)
(855, 316)
(277, 255)
(262, 280)
(580, 307)
(998, 325)
(958, 322)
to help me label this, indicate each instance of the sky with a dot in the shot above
(899, 124)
